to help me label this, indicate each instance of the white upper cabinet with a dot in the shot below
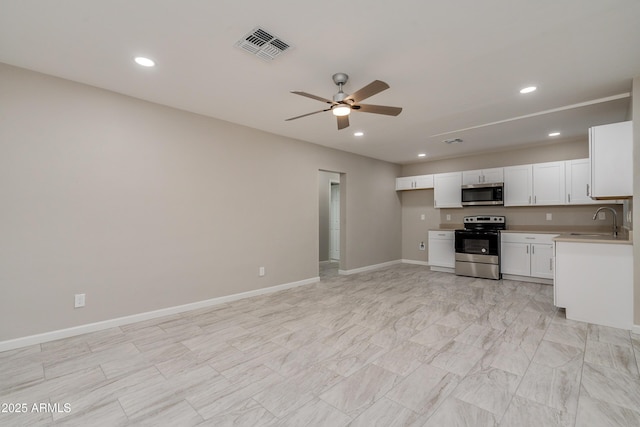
(578, 182)
(414, 182)
(610, 151)
(548, 183)
(518, 185)
(447, 191)
(539, 184)
(484, 176)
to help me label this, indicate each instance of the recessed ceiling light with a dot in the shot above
(554, 134)
(145, 62)
(528, 89)
(358, 133)
(422, 155)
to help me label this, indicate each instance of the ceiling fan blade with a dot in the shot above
(308, 95)
(378, 109)
(308, 114)
(343, 122)
(371, 89)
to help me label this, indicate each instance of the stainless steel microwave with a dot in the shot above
(483, 194)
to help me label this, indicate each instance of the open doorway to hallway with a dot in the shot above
(329, 223)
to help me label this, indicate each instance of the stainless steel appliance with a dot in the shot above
(478, 247)
(483, 194)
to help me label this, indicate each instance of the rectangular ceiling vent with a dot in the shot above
(263, 44)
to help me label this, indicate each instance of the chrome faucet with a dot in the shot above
(615, 218)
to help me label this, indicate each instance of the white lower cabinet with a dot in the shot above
(442, 251)
(527, 255)
(594, 282)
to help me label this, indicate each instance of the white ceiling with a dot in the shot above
(451, 65)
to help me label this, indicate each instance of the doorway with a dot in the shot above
(334, 222)
(330, 207)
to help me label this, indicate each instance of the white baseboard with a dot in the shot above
(412, 261)
(369, 267)
(111, 323)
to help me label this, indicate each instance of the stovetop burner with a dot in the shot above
(484, 222)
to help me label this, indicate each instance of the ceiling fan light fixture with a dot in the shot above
(341, 110)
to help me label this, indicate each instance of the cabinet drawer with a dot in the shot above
(527, 238)
(441, 235)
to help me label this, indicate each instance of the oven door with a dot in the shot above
(475, 242)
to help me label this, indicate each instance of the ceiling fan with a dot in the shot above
(342, 103)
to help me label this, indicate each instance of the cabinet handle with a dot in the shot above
(569, 197)
(529, 199)
(530, 238)
(533, 250)
(535, 199)
(527, 249)
(588, 190)
(550, 263)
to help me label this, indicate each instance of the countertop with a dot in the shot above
(565, 234)
(623, 238)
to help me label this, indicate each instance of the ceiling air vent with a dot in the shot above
(263, 44)
(452, 141)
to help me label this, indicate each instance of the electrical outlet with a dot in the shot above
(549, 217)
(448, 217)
(261, 271)
(422, 217)
(79, 300)
(602, 215)
(421, 246)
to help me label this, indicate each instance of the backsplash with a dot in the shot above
(520, 217)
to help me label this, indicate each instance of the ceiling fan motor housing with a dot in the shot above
(340, 78)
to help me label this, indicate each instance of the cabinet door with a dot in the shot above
(577, 182)
(491, 176)
(610, 151)
(423, 181)
(442, 249)
(548, 183)
(404, 183)
(515, 258)
(542, 260)
(471, 177)
(447, 190)
(517, 185)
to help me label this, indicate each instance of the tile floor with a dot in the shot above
(401, 346)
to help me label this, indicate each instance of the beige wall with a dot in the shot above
(635, 105)
(415, 229)
(144, 207)
(545, 152)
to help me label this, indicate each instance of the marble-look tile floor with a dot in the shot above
(401, 346)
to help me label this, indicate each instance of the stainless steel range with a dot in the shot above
(478, 246)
